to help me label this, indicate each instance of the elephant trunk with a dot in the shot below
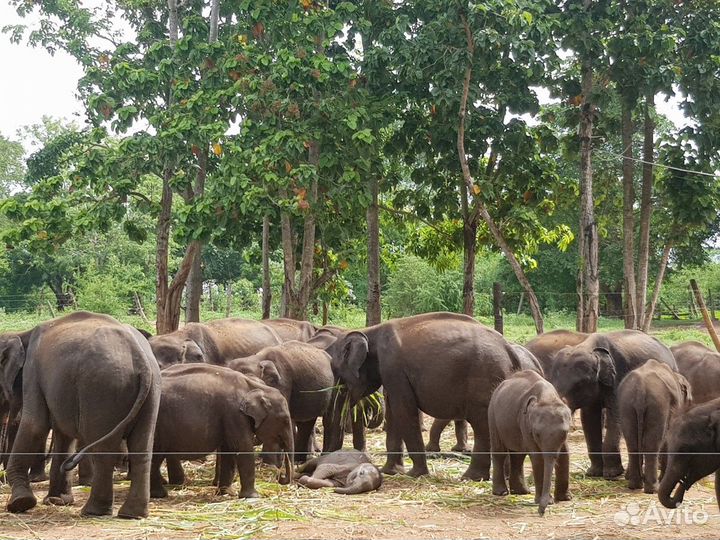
(548, 466)
(671, 479)
(288, 457)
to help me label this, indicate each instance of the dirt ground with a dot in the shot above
(436, 506)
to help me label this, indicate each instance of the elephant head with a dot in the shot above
(272, 423)
(349, 354)
(12, 359)
(257, 366)
(582, 375)
(171, 349)
(692, 444)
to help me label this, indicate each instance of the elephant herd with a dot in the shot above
(227, 385)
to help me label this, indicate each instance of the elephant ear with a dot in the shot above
(354, 352)
(257, 406)
(322, 340)
(685, 389)
(269, 373)
(529, 404)
(12, 359)
(191, 352)
(605, 366)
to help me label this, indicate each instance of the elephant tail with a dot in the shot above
(145, 382)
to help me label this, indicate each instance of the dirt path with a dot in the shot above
(437, 506)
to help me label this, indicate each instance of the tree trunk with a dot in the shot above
(194, 290)
(373, 314)
(266, 286)
(628, 217)
(482, 209)
(214, 19)
(658, 286)
(645, 208)
(228, 299)
(589, 282)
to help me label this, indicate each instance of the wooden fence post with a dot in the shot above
(497, 306)
(708, 323)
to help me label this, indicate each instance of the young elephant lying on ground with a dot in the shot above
(526, 415)
(348, 471)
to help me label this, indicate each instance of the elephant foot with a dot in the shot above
(548, 501)
(613, 472)
(224, 490)
(650, 488)
(567, 496)
(520, 490)
(594, 471)
(64, 499)
(133, 510)
(416, 472)
(461, 449)
(634, 483)
(477, 475)
(432, 447)
(96, 509)
(500, 491)
(158, 493)
(21, 501)
(393, 468)
(38, 477)
(248, 494)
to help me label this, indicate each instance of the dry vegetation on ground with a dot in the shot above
(437, 506)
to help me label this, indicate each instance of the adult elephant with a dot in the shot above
(526, 359)
(443, 364)
(215, 342)
(546, 345)
(587, 376)
(693, 452)
(303, 375)
(701, 366)
(87, 377)
(291, 330)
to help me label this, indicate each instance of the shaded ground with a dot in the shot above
(438, 506)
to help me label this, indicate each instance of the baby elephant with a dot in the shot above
(526, 415)
(648, 398)
(348, 471)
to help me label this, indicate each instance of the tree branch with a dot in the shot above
(414, 216)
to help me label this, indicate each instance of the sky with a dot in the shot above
(34, 84)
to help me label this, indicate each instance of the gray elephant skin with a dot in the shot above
(587, 376)
(228, 411)
(546, 345)
(291, 330)
(693, 452)
(443, 364)
(648, 399)
(701, 366)
(526, 415)
(526, 359)
(348, 471)
(215, 342)
(303, 375)
(87, 377)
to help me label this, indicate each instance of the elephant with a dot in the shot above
(215, 342)
(291, 330)
(546, 345)
(526, 415)
(206, 408)
(527, 361)
(701, 366)
(303, 375)
(443, 364)
(587, 375)
(88, 377)
(693, 452)
(349, 471)
(648, 399)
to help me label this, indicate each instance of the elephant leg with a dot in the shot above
(85, 472)
(303, 438)
(499, 483)
(479, 468)
(60, 492)
(538, 468)
(37, 470)
(562, 475)
(358, 433)
(517, 474)
(650, 472)
(436, 430)
(226, 465)
(176, 474)
(407, 420)
(612, 463)
(717, 487)
(101, 493)
(29, 443)
(393, 443)
(548, 462)
(140, 446)
(461, 437)
(634, 469)
(245, 462)
(157, 489)
(591, 418)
